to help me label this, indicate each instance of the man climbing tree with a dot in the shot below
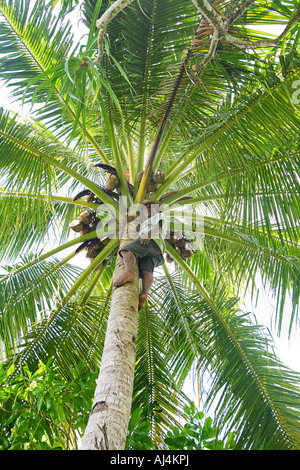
(147, 250)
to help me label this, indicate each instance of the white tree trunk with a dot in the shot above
(108, 422)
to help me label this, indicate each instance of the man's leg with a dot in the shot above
(147, 279)
(129, 260)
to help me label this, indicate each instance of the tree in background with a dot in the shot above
(182, 102)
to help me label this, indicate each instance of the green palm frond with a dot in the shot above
(27, 296)
(244, 368)
(37, 220)
(28, 149)
(244, 179)
(29, 219)
(32, 40)
(148, 50)
(41, 69)
(261, 377)
(226, 144)
(155, 387)
(69, 337)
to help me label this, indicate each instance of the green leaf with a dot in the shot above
(10, 370)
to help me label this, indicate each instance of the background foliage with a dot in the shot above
(42, 411)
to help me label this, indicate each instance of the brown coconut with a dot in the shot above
(86, 217)
(139, 176)
(152, 186)
(112, 182)
(159, 177)
(94, 248)
(90, 197)
(187, 253)
(181, 243)
(76, 226)
(92, 253)
(173, 240)
(86, 229)
(105, 241)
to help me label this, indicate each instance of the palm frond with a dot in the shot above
(69, 339)
(155, 386)
(244, 371)
(226, 144)
(28, 148)
(230, 145)
(32, 39)
(27, 296)
(38, 334)
(36, 221)
(43, 69)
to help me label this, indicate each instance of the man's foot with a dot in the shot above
(142, 300)
(125, 277)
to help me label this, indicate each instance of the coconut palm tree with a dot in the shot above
(192, 94)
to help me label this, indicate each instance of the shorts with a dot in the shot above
(148, 256)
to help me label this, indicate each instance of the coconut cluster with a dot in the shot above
(88, 222)
(181, 244)
(156, 179)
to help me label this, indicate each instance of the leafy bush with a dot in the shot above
(198, 433)
(40, 410)
(138, 432)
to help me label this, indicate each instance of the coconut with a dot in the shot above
(86, 217)
(90, 197)
(76, 225)
(181, 243)
(169, 259)
(159, 177)
(94, 248)
(86, 229)
(187, 253)
(96, 243)
(172, 240)
(152, 186)
(139, 176)
(92, 253)
(112, 182)
(94, 222)
(105, 241)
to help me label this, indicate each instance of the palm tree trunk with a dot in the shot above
(108, 422)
